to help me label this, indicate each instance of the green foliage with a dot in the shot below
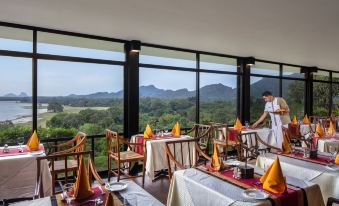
(55, 107)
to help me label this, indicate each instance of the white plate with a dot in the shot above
(333, 167)
(255, 194)
(233, 162)
(116, 186)
(35, 153)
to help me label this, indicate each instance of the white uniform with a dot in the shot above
(270, 107)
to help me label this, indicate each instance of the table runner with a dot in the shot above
(14, 150)
(321, 159)
(294, 196)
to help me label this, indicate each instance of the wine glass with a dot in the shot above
(68, 192)
(20, 142)
(293, 149)
(332, 150)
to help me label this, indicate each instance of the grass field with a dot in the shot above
(44, 117)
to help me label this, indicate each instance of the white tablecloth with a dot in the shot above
(266, 134)
(193, 187)
(134, 194)
(328, 180)
(324, 144)
(18, 176)
(156, 157)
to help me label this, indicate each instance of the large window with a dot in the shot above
(150, 55)
(321, 98)
(293, 93)
(263, 68)
(335, 99)
(258, 86)
(14, 39)
(15, 98)
(218, 98)
(218, 63)
(49, 43)
(166, 96)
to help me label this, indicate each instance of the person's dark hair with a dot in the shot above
(266, 93)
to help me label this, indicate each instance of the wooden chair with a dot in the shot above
(294, 136)
(178, 157)
(115, 144)
(218, 134)
(77, 143)
(331, 201)
(201, 132)
(249, 145)
(66, 168)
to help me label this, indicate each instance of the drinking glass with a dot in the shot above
(293, 148)
(20, 142)
(247, 125)
(332, 150)
(68, 192)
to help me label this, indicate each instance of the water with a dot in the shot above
(17, 111)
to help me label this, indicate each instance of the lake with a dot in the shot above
(17, 111)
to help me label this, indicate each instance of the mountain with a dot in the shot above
(217, 91)
(10, 95)
(22, 94)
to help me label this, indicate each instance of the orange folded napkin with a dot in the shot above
(148, 132)
(237, 125)
(319, 132)
(273, 180)
(176, 130)
(306, 120)
(109, 199)
(331, 129)
(33, 142)
(215, 162)
(82, 187)
(337, 159)
(295, 121)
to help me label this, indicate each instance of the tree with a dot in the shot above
(55, 107)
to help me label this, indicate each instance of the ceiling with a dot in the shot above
(304, 32)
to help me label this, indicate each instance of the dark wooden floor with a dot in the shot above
(158, 188)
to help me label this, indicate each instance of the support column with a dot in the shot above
(131, 89)
(243, 83)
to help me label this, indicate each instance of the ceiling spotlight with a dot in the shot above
(250, 61)
(135, 45)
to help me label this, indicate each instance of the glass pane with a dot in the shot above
(79, 96)
(335, 99)
(150, 55)
(218, 98)
(57, 44)
(265, 68)
(14, 39)
(294, 72)
(166, 97)
(258, 86)
(335, 77)
(15, 98)
(293, 93)
(321, 75)
(218, 63)
(321, 98)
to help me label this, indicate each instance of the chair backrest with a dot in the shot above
(199, 131)
(219, 131)
(77, 143)
(66, 168)
(250, 144)
(294, 131)
(180, 154)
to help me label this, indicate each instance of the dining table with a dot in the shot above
(133, 195)
(18, 172)
(155, 152)
(316, 170)
(199, 186)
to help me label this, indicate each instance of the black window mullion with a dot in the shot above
(35, 82)
(197, 90)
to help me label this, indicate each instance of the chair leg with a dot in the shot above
(109, 170)
(143, 172)
(118, 178)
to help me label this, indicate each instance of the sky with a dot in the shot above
(59, 78)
